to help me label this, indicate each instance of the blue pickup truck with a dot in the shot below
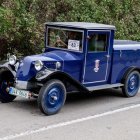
(78, 56)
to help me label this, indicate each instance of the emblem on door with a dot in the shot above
(97, 64)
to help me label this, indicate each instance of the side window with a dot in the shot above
(98, 42)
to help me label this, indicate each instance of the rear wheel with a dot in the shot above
(6, 80)
(52, 97)
(131, 84)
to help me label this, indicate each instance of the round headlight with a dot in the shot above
(12, 60)
(38, 65)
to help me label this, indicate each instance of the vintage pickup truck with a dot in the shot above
(78, 56)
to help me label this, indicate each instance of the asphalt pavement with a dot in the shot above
(101, 115)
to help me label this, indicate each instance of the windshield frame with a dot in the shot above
(68, 29)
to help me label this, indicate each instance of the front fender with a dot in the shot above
(54, 74)
(43, 75)
(5, 65)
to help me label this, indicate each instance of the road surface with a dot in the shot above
(102, 115)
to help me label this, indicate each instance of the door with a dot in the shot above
(97, 63)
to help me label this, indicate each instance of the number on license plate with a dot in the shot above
(17, 92)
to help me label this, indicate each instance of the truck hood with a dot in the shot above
(26, 68)
(55, 56)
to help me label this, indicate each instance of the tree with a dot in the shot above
(19, 27)
(22, 21)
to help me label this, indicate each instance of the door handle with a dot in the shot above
(107, 56)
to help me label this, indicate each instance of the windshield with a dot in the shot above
(65, 38)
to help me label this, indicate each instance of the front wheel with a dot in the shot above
(52, 97)
(131, 84)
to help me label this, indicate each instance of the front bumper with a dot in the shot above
(24, 85)
(27, 85)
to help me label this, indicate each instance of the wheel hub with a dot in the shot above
(133, 83)
(55, 98)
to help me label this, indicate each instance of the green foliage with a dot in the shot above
(19, 27)
(22, 21)
(124, 14)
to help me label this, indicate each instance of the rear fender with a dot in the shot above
(128, 71)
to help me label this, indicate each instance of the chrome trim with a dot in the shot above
(21, 84)
(105, 86)
(24, 85)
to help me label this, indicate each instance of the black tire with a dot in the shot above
(52, 97)
(131, 84)
(6, 79)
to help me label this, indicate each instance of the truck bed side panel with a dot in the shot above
(122, 60)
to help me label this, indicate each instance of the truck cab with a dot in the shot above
(93, 48)
(79, 57)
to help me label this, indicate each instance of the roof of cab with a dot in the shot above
(82, 25)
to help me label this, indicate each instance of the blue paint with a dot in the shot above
(122, 60)
(102, 72)
(80, 65)
(54, 99)
(71, 63)
(133, 84)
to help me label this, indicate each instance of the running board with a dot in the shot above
(104, 86)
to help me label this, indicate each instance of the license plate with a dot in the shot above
(16, 92)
